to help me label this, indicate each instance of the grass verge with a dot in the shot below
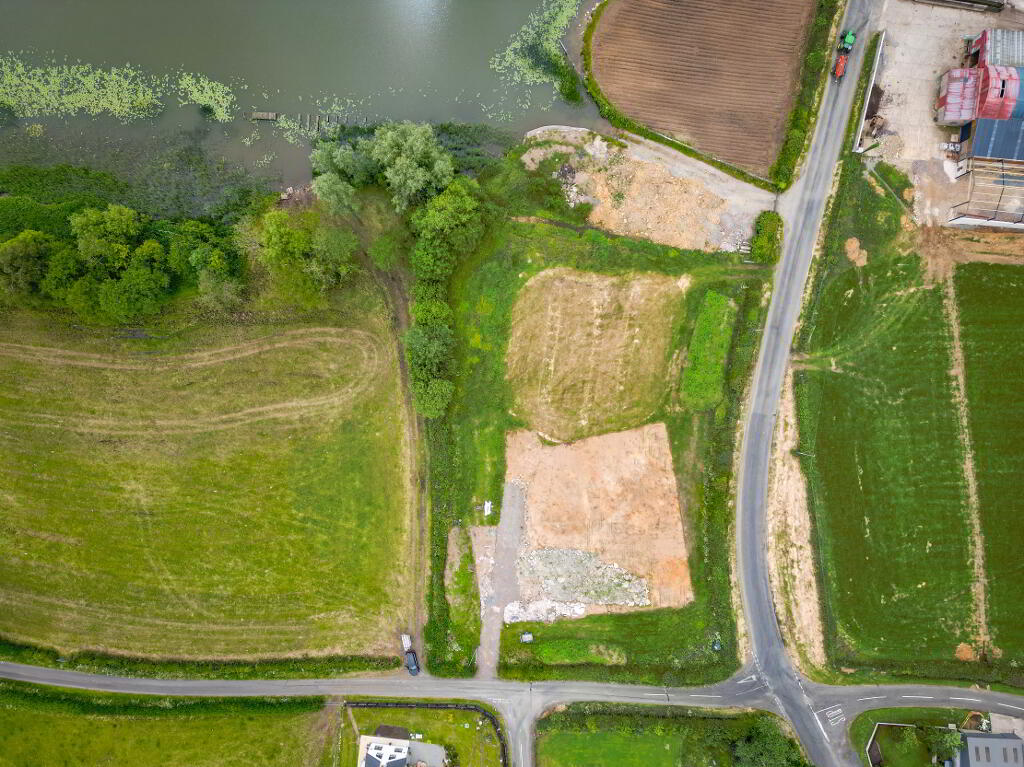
(619, 735)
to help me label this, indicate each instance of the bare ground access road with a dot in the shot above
(820, 714)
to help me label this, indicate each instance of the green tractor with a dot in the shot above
(846, 43)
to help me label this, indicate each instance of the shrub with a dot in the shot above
(305, 256)
(23, 262)
(766, 246)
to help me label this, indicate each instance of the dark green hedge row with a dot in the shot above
(611, 113)
(813, 72)
(58, 700)
(116, 665)
(766, 247)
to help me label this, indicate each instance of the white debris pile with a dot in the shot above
(572, 575)
(545, 610)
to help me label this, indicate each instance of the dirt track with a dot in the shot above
(718, 75)
(362, 350)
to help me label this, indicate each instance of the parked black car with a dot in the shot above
(412, 663)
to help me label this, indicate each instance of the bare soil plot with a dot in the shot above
(720, 76)
(589, 352)
(607, 508)
(648, 190)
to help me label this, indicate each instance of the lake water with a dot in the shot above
(376, 59)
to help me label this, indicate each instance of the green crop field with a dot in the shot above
(991, 304)
(53, 728)
(614, 735)
(880, 445)
(468, 738)
(661, 645)
(206, 490)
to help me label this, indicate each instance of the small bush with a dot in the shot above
(766, 246)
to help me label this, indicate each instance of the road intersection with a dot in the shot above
(819, 714)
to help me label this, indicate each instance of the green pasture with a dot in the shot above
(880, 445)
(991, 304)
(205, 490)
(55, 728)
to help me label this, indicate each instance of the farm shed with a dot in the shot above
(992, 750)
(994, 152)
(999, 47)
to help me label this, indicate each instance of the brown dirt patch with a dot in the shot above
(965, 652)
(614, 496)
(942, 248)
(959, 377)
(719, 75)
(855, 252)
(790, 550)
(588, 353)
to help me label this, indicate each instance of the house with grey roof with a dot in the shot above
(382, 751)
(989, 749)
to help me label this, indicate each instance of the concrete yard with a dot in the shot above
(923, 41)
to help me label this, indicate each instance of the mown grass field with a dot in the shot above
(880, 445)
(54, 728)
(612, 735)
(468, 738)
(204, 491)
(659, 645)
(991, 308)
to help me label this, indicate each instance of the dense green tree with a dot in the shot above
(428, 350)
(196, 247)
(24, 260)
(137, 292)
(941, 742)
(306, 256)
(431, 398)
(337, 194)
(449, 226)
(412, 163)
(404, 157)
(766, 746)
(431, 312)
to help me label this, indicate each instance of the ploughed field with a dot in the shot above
(217, 491)
(920, 572)
(720, 76)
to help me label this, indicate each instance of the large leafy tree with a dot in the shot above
(404, 157)
(24, 260)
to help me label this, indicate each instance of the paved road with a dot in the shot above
(820, 714)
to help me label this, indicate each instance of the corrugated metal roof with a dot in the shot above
(1005, 47)
(1003, 139)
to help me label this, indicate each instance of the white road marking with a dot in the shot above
(655, 694)
(695, 695)
(827, 708)
(1007, 705)
(922, 697)
(969, 700)
(820, 727)
(878, 697)
(746, 679)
